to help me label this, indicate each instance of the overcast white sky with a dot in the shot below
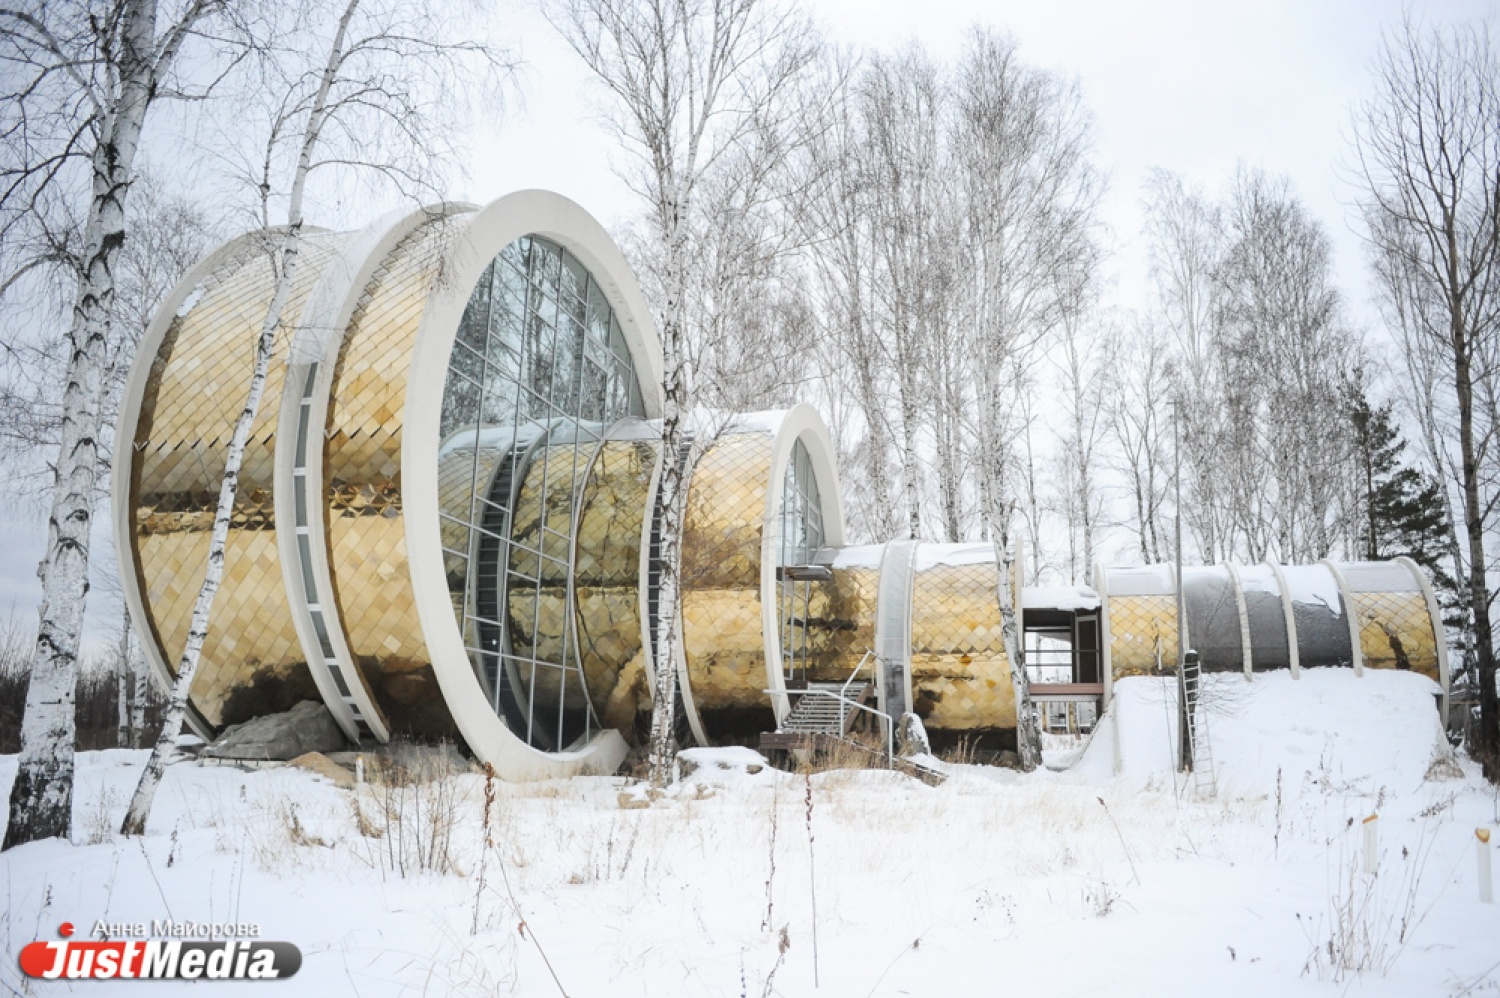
(1188, 85)
(1193, 86)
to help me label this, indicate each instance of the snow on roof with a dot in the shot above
(1379, 577)
(193, 298)
(1145, 580)
(933, 555)
(1310, 584)
(767, 422)
(857, 556)
(1059, 598)
(1258, 579)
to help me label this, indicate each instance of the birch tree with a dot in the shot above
(83, 78)
(168, 234)
(854, 358)
(1087, 363)
(125, 685)
(368, 104)
(746, 305)
(1244, 284)
(1031, 198)
(1427, 146)
(1284, 348)
(684, 80)
(1185, 246)
(902, 106)
(1139, 421)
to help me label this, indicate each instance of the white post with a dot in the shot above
(359, 770)
(1372, 841)
(1486, 885)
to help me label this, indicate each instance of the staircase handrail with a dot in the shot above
(844, 690)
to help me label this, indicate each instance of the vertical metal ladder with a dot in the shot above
(1189, 687)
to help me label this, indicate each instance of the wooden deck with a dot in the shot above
(1066, 692)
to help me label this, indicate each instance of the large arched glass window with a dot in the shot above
(802, 536)
(539, 372)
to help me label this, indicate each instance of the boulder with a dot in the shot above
(911, 736)
(307, 727)
(320, 764)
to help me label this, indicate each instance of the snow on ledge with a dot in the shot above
(858, 556)
(726, 758)
(768, 421)
(931, 556)
(1060, 598)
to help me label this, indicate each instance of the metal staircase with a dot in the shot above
(816, 713)
(823, 715)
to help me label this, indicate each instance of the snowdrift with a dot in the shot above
(1328, 725)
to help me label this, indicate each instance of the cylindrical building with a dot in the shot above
(448, 524)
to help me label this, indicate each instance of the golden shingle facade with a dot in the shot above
(1143, 633)
(1395, 632)
(722, 617)
(252, 662)
(960, 676)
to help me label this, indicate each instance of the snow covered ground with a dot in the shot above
(1057, 883)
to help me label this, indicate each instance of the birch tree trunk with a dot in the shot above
(663, 751)
(41, 798)
(187, 665)
(998, 513)
(123, 685)
(139, 691)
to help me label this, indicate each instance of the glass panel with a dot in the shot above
(498, 408)
(801, 522)
(460, 403)
(544, 265)
(598, 314)
(539, 368)
(540, 361)
(467, 363)
(472, 327)
(1213, 618)
(617, 341)
(565, 375)
(593, 399)
(575, 278)
(516, 253)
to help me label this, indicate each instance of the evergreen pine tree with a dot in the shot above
(1402, 510)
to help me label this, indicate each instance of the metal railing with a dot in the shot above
(844, 690)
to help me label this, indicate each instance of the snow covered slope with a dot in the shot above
(1328, 724)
